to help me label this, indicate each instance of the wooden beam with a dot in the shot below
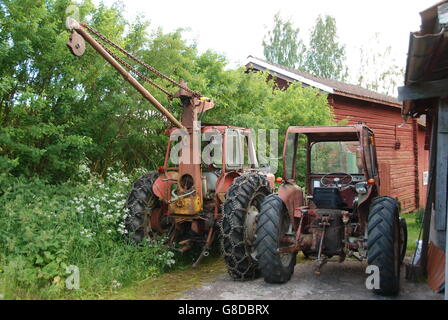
(423, 90)
(442, 130)
(441, 191)
(429, 194)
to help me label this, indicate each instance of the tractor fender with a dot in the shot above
(162, 185)
(292, 196)
(224, 182)
(271, 179)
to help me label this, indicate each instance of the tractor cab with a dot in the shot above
(339, 164)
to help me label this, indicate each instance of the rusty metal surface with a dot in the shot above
(224, 182)
(292, 196)
(155, 219)
(162, 186)
(325, 129)
(76, 44)
(435, 267)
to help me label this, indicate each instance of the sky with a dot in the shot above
(236, 28)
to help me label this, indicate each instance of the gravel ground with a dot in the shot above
(338, 281)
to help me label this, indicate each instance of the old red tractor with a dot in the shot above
(185, 199)
(341, 212)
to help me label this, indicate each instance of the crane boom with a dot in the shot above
(75, 45)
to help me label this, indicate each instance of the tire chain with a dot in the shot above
(235, 192)
(140, 202)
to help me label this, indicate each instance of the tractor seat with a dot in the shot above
(327, 198)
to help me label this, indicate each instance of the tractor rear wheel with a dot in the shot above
(238, 224)
(274, 225)
(140, 202)
(383, 243)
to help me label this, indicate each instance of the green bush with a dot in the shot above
(44, 228)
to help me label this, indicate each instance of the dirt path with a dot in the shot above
(210, 280)
(344, 281)
(171, 285)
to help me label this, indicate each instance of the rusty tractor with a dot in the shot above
(341, 212)
(203, 194)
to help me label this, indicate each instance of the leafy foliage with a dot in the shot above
(282, 44)
(45, 228)
(325, 56)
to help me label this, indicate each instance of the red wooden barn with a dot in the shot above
(402, 158)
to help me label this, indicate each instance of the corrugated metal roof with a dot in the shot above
(427, 56)
(421, 49)
(327, 85)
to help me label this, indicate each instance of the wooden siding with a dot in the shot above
(384, 121)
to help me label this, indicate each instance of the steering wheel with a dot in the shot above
(336, 180)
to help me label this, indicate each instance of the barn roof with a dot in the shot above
(326, 85)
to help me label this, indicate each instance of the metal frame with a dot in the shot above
(441, 190)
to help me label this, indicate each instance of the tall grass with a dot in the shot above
(413, 222)
(45, 228)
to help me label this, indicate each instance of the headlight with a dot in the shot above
(361, 187)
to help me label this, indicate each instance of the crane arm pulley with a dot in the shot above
(80, 32)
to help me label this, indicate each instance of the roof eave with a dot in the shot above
(251, 61)
(353, 96)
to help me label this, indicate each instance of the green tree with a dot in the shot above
(282, 44)
(325, 56)
(57, 110)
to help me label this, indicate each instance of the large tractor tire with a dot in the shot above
(238, 224)
(273, 225)
(383, 243)
(140, 202)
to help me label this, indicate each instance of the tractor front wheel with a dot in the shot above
(238, 224)
(383, 244)
(274, 226)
